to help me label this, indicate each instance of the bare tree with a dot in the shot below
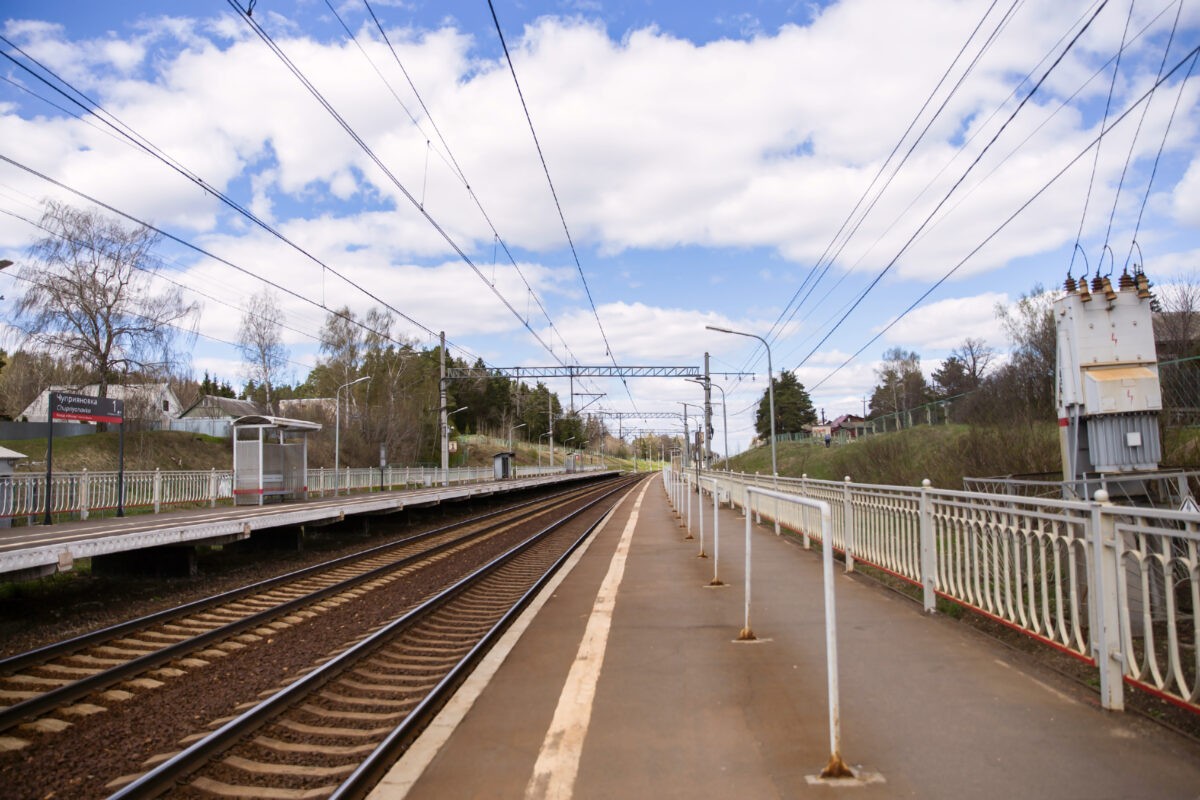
(1177, 323)
(260, 341)
(976, 356)
(91, 296)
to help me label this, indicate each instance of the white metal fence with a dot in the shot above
(1116, 586)
(83, 493)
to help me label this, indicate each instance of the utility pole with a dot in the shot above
(442, 417)
(550, 414)
(708, 426)
(687, 444)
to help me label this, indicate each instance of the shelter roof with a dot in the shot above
(276, 423)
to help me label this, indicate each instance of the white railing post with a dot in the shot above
(1106, 611)
(212, 487)
(847, 524)
(700, 505)
(716, 579)
(83, 494)
(747, 634)
(157, 490)
(687, 499)
(929, 575)
(757, 513)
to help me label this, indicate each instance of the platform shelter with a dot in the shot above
(270, 458)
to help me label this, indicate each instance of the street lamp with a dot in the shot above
(510, 433)
(337, 426)
(770, 387)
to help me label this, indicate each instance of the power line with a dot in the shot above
(196, 248)
(97, 110)
(448, 157)
(320, 98)
(1191, 56)
(545, 168)
(1096, 160)
(875, 281)
(779, 322)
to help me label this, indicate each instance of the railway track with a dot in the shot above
(312, 625)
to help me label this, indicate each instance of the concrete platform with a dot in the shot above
(666, 704)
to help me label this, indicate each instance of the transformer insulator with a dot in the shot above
(1125, 282)
(1084, 295)
(1097, 284)
(1069, 285)
(1109, 293)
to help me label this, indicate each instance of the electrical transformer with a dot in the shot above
(1108, 390)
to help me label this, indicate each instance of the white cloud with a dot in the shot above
(654, 142)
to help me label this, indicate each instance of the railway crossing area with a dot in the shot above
(627, 680)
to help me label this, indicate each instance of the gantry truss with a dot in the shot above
(572, 371)
(639, 414)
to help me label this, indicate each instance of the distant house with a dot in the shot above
(210, 406)
(153, 403)
(847, 425)
(214, 416)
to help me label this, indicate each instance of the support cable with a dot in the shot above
(446, 154)
(512, 69)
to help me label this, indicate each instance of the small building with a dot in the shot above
(502, 463)
(847, 426)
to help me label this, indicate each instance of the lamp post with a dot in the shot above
(543, 436)
(337, 427)
(510, 434)
(770, 387)
(566, 450)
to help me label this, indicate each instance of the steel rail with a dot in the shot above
(166, 775)
(49, 700)
(67, 646)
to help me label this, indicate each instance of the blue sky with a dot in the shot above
(705, 157)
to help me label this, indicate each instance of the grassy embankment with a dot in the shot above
(943, 453)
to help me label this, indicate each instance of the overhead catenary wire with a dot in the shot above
(829, 257)
(554, 193)
(447, 155)
(370, 153)
(200, 250)
(161, 275)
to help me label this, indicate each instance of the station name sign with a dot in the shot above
(84, 408)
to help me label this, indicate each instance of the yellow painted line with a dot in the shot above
(558, 761)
